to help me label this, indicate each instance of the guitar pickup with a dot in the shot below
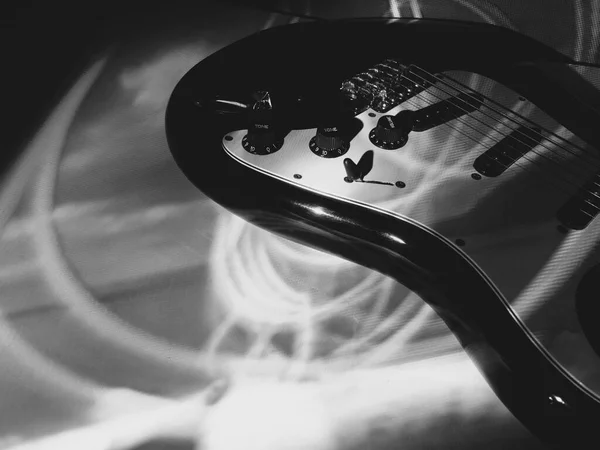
(496, 160)
(445, 111)
(583, 207)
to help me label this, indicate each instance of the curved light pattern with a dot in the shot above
(34, 364)
(287, 313)
(24, 366)
(488, 12)
(409, 406)
(269, 297)
(68, 288)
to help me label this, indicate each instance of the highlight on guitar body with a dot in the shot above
(472, 177)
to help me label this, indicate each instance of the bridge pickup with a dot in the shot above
(445, 111)
(505, 153)
(583, 207)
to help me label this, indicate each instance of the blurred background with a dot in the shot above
(136, 313)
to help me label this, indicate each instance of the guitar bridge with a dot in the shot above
(384, 86)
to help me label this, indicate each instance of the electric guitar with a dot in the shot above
(460, 159)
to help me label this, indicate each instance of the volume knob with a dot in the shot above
(391, 132)
(329, 142)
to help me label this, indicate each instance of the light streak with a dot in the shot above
(67, 286)
(255, 290)
(270, 21)
(32, 363)
(394, 9)
(416, 9)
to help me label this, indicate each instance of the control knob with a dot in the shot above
(262, 138)
(329, 142)
(391, 132)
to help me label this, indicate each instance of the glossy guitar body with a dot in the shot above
(484, 249)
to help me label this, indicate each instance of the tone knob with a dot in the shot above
(329, 142)
(262, 138)
(391, 132)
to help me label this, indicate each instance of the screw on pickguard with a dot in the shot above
(497, 159)
(583, 207)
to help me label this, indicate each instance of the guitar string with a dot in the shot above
(516, 163)
(475, 140)
(442, 80)
(551, 177)
(508, 136)
(517, 131)
(513, 130)
(596, 157)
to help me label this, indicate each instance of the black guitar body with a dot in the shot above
(439, 242)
